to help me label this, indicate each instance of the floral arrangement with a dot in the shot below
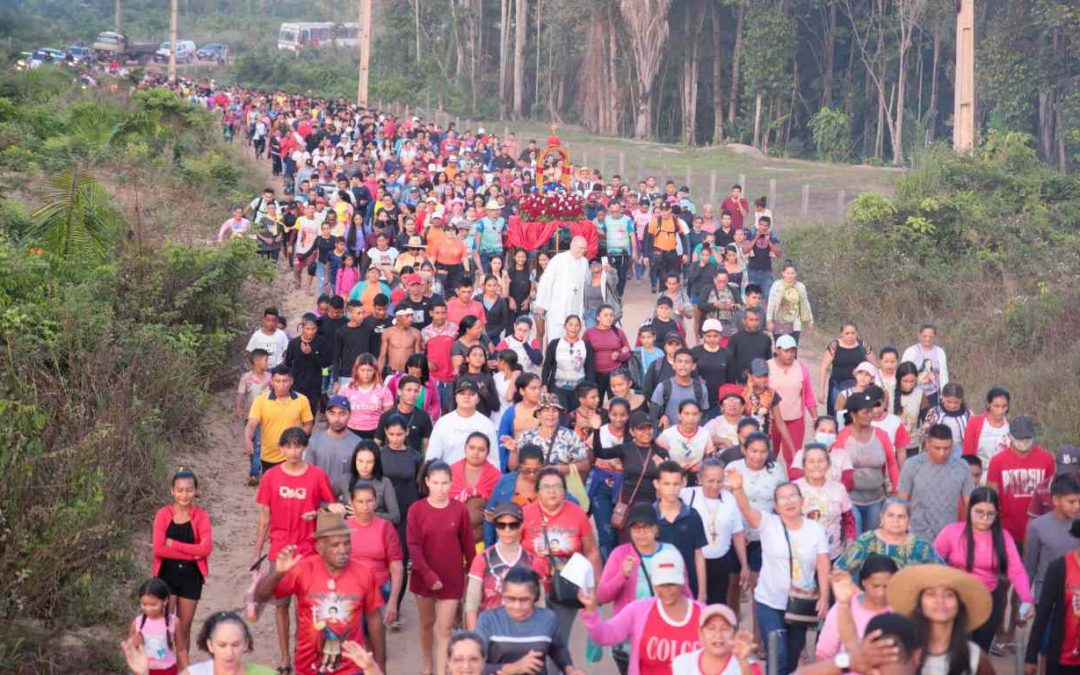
(554, 205)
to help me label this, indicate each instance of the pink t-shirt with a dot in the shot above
(951, 545)
(789, 384)
(828, 642)
(375, 546)
(157, 635)
(367, 405)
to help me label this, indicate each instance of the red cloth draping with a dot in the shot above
(532, 235)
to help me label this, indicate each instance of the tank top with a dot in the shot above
(185, 534)
(520, 286)
(845, 360)
(663, 639)
(868, 459)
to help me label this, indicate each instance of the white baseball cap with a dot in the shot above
(785, 342)
(667, 567)
(711, 325)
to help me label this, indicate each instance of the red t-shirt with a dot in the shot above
(289, 498)
(661, 640)
(565, 530)
(1072, 615)
(456, 311)
(375, 546)
(440, 359)
(729, 204)
(490, 569)
(461, 491)
(328, 611)
(1017, 477)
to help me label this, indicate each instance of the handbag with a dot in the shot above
(801, 607)
(622, 509)
(562, 592)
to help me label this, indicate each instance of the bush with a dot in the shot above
(986, 246)
(832, 133)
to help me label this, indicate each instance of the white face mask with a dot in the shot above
(1023, 444)
(825, 439)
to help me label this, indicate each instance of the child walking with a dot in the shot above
(253, 383)
(153, 630)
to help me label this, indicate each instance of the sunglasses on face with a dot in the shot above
(507, 525)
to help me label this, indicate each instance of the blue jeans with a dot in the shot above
(589, 318)
(256, 457)
(321, 274)
(763, 278)
(446, 396)
(601, 497)
(866, 517)
(790, 640)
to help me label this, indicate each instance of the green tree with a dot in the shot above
(832, 133)
(77, 221)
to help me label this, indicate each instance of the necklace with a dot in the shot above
(711, 526)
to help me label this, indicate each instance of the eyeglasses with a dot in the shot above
(985, 515)
(551, 487)
(507, 525)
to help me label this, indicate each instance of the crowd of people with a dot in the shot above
(475, 425)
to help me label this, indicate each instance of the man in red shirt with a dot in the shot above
(463, 305)
(737, 205)
(333, 593)
(1015, 474)
(289, 497)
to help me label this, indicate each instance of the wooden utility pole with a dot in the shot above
(116, 17)
(964, 103)
(173, 20)
(365, 52)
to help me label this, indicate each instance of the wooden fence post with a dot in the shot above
(641, 167)
(742, 182)
(689, 179)
(772, 194)
(840, 205)
(603, 165)
(805, 210)
(712, 185)
(622, 165)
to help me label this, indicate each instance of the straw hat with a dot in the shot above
(907, 584)
(493, 205)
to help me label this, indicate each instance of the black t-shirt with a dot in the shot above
(687, 534)
(328, 327)
(350, 343)
(419, 427)
(662, 328)
(421, 311)
(374, 328)
(712, 368)
(731, 454)
(633, 461)
(325, 245)
(761, 260)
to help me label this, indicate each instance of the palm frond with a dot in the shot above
(77, 220)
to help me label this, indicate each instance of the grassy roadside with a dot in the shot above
(115, 322)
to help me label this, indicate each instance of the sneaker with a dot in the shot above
(396, 626)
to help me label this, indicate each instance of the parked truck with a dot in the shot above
(110, 45)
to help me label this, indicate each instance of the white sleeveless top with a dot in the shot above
(938, 664)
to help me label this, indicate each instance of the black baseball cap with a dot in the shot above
(642, 512)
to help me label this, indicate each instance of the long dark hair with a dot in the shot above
(463, 369)
(419, 361)
(959, 651)
(376, 470)
(157, 588)
(523, 380)
(985, 495)
(903, 370)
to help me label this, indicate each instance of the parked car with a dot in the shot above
(213, 52)
(45, 55)
(78, 55)
(185, 51)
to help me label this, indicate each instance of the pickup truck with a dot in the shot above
(110, 45)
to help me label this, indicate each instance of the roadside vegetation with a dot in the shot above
(986, 246)
(110, 338)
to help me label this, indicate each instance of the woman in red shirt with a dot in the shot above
(441, 547)
(610, 348)
(473, 480)
(183, 541)
(375, 544)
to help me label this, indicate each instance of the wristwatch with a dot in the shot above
(843, 661)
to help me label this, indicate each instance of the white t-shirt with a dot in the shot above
(807, 543)
(826, 505)
(726, 432)
(839, 462)
(682, 449)
(308, 232)
(687, 664)
(720, 517)
(992, 441)
(450, 433)
(890, 424)
(380, 258)
(759, 487)
(274, 344)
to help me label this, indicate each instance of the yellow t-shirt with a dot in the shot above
(275, 415)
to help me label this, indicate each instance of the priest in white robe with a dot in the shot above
(561, 290)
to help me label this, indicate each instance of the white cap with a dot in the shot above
(710, 325)
(667, 567)
(785, 342)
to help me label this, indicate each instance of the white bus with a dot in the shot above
(298, 36)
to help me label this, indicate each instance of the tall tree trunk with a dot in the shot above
(536, 96)
(736, 52)
(691, 31)
(504, 54)
(521, 27)
(757, 120)
(717, 77)
(647, 24)
(931, 129)
(173, 21)
(611, 19)
(830, 59)
(416, 19)
(597, 94)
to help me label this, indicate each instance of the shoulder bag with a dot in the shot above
(622, 509)
(801, 607)
(562, 592)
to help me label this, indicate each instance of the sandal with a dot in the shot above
(283, 670)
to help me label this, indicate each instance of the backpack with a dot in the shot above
(666, 388)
